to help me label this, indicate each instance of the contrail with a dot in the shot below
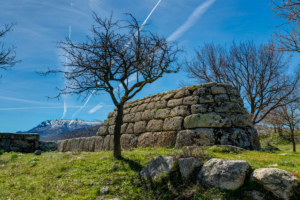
(125, 47)
(198, 12)
(66, 68)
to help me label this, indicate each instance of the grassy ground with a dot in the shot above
(82, 175)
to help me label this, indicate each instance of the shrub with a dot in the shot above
(1, 152)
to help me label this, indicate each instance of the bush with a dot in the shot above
(1, 152)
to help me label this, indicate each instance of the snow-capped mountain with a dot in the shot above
(59, 126)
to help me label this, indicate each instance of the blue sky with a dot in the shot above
(41, 23)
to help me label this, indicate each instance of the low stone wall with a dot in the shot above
(27, 143)
(209, 114)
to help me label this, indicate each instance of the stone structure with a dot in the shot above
(209, 114)
(27, 143)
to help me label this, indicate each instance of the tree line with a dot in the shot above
(119, 51)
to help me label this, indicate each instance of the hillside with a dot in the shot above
(60, 126)
(89, 132)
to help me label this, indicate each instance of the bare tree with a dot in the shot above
(117, 51)
(7, 55)
(275, 119)
(288, 33)
(291, 116)
(259, 72)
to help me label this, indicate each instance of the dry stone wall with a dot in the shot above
(26, 143)
(209, 114)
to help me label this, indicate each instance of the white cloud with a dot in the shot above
(100, 105)
(193, 18)
(25, 100)
(26, 108)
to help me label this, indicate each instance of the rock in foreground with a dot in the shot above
(223, 174)
(281, 183)
(158, 165)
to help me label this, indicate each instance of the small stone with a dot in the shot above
(38, 152)
(104, 190)
(115, 167)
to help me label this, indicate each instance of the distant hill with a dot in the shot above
(60, 126)
(89, 132)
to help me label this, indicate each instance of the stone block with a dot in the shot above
(142, 107)
(75, 144)
(149, 115)
(134, 109)
(218, 90)
(156, 98)
(168, 96)
(68, 145)
(207, 120)
(111, 130)
(175, 102)
(165, 139)
(191, 100)
(206, 99)
(221, 98)
(81, 144)
(126, 111)
(99, 140)
(103, 130)
(151, 105)
(160, 104)
(106, 142)
(145, 140)
(128, 141)
(138, 116)
(124, 128)
(233, 91)
(162, 113)
(184, 138)
(111, 121)
(204, 137)
(228, 107)
(5, 145)
(106, 122)
(31, 136)
(236, 99)
(155, 125)
(202, 91)
(112, 114)
(182, 93)
(112, 143)
(180, 111)
(129, 118)
(241, 120)
(173, 124)
(130, 128)
(140, 127)
(199, 108)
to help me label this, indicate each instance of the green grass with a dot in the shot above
(81, 175)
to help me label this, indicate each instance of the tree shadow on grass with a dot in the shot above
(135, 166)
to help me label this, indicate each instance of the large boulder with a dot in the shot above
(158, 165)
(145, 140)
(188, 165)
(281, 183)
(223, 174)
(164, 139)
(47, 146)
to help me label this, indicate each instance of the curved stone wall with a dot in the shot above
(209, 114)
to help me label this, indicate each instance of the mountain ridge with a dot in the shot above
(54, 127)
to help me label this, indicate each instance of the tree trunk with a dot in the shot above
(274, 129)
(293, 140)
(117, 132)
(280, 131)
